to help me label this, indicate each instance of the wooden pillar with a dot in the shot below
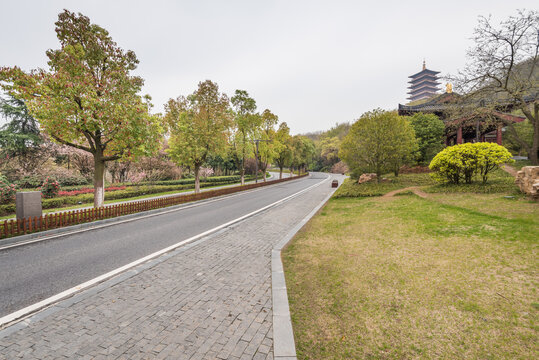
(499, 134)
(459, 135)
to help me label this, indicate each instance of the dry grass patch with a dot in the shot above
(413, 278)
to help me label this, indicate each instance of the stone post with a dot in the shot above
(28, 204)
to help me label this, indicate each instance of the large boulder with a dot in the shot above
(366, 178)
(527, 180)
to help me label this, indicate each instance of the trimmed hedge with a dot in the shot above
(214, 179)
(113, 195)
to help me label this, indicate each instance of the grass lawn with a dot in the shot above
(519, 164)
(451, 276)
(499, 182)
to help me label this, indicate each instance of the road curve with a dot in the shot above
(31, 273)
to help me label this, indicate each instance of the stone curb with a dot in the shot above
(284, 347)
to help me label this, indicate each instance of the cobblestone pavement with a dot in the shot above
(211, 301)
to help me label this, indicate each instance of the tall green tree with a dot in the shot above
(303, 151)
(328, 148)
(380, 141)
(267, 147)
(283, 151)
(246, 123)
(429, 132)
(88, 99)
(198, 127)
(20, 136)
(307, 152)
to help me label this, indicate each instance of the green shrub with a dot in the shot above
(7, 209)
(499, 182)
(50, 188)
(30, 182)
(7, 190)
(72, 180)
(52, 203)
(464, 161)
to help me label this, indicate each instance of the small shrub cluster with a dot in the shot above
(30, 182)
(7, 190)
(50, 188)
(463, 162)
(68, 179)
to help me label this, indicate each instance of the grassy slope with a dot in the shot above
(453, 276)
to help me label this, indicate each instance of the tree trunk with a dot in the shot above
(264, 172)
(533, 155)
(197, 179)
(280, 172)
(242, 171)
(99, 180)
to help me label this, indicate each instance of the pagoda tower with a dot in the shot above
(424, 84)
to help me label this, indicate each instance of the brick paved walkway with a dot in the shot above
(211, 301)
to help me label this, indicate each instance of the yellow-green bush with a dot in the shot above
(464, 161)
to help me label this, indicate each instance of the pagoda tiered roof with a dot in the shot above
(424, 84)
(425, 71)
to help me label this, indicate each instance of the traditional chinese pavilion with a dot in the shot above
(423, 85)
(476, 124)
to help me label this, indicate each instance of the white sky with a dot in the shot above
(313, 63)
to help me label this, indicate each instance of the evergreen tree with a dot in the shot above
(20, 135)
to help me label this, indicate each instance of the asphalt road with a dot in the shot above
(34, 272)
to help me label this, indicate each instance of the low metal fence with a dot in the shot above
(66, 218)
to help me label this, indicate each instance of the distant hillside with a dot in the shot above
(338, 130)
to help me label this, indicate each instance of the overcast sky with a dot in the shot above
(313, 63)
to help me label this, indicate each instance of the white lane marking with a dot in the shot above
(187, 206)
(39, 305)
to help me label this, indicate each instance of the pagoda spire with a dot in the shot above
(424, 65)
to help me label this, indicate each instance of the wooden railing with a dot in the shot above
(66, 218)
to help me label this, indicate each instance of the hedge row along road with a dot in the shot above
(34, 272)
